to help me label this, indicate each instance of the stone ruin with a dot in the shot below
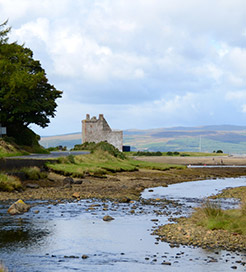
(98, 130)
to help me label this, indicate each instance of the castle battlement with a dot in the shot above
(98, 130)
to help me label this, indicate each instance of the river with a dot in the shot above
(54, 236)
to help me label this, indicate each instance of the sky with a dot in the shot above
(142, 63)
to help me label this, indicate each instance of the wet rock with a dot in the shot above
(234, 267)
(36, 211)
(67, 181)
(18, 207)
(32, 186)
(84, 256)
(108, 218)
(166, 263)
(124, 200)
(71, 257)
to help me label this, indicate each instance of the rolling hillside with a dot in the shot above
(230, 139)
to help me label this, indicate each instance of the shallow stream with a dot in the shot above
(54, 236)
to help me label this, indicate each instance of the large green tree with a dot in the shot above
(26, 96)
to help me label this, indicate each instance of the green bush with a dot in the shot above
(57, 148)
(84, 146)
(105, 146)
(148, 153)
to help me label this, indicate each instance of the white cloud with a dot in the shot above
(236, 95)
(141, 58)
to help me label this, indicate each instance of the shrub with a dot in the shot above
(84, 146)
(148, 153)
(57, 148)
(105, 146)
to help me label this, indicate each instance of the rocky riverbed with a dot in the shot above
(72, 234)
(185, 232)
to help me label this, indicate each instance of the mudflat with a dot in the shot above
(122, 186)
(209, 160)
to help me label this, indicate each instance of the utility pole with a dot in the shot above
(200, 143)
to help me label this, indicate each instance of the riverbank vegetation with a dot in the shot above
(104, 159)
(212, 217)
(210, 226)
(9, 183)
(100, 163)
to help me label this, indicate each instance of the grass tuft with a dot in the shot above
(33, 173)
(9, 183)
(212, 217)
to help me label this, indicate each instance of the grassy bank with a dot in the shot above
(212, 217)
(237, 192)
(210, 226)
(101, 163)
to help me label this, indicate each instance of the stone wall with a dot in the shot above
(97, 130)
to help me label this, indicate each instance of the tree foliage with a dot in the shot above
(26, 96)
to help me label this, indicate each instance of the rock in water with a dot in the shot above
(107, 218)
(18, 207)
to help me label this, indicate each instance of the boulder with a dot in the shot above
(18, 207)
(67, 181)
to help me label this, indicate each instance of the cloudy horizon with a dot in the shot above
(143, 63)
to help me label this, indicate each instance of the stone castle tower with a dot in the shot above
(97, 130)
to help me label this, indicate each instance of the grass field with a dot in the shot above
(101, 163)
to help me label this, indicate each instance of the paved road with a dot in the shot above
(53, 154)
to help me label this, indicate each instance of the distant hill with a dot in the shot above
(229, 138)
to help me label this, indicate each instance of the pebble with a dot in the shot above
(166, 263)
